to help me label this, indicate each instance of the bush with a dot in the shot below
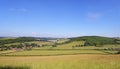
(14, 67)
(118, 52)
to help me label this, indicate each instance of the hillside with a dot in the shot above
(20, 39)
(94, 40)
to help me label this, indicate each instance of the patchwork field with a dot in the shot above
(71, 55)
(63, 46)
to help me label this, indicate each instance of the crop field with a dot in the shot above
(101, 47)
(54, 52)
(41, 42)
(64, 46)
(75, 45)
(83, 61)
(70, 45)
(73, 55)
(62, 40)
(8, 51)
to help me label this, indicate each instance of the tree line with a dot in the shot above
(20, 46)
(96, 40)
(20, 39)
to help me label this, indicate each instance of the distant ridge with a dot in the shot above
(95, 40)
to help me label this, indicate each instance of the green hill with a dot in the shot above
(15, 40)
(95, 40)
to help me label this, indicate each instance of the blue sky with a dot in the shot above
(60, 18)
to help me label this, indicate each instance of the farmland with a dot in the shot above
(59, 34)
(83, 61)
(60, 54)
(53, 52)
(63, 46)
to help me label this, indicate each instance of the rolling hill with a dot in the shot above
(94, 40)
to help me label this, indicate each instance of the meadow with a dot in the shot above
(83, 61)
(54, 52)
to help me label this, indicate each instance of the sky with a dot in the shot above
(60, 18)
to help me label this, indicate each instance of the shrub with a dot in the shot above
(14, 67)
(118, 52)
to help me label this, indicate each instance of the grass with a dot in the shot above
(8, 51)
(14, 67)
(41, 42)
(83, 61)
(62, 57)
(6, 38)
(101, 47)
(70, 46)
(37, 42)
(62, 40)
(55, 52)
(64, 46)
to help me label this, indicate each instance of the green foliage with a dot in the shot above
(94, 40)
(20, 39)
(118, 52)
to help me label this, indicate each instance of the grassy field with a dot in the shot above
(54, 52)
(72, 45)
(83, 61)
(62, 40)
(41, 42)
(8, 51)
(62, 56)
(64, 46)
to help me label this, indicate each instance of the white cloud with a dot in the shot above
(18, 9)
(93, 16)
(34, 33)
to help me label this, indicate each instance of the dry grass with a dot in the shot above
(85, 61)
(54, 52)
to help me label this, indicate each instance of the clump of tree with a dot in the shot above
(76, 46)
(3, 47)
(118, 52)
(54, 45)
(63, 42)
(21, 46)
